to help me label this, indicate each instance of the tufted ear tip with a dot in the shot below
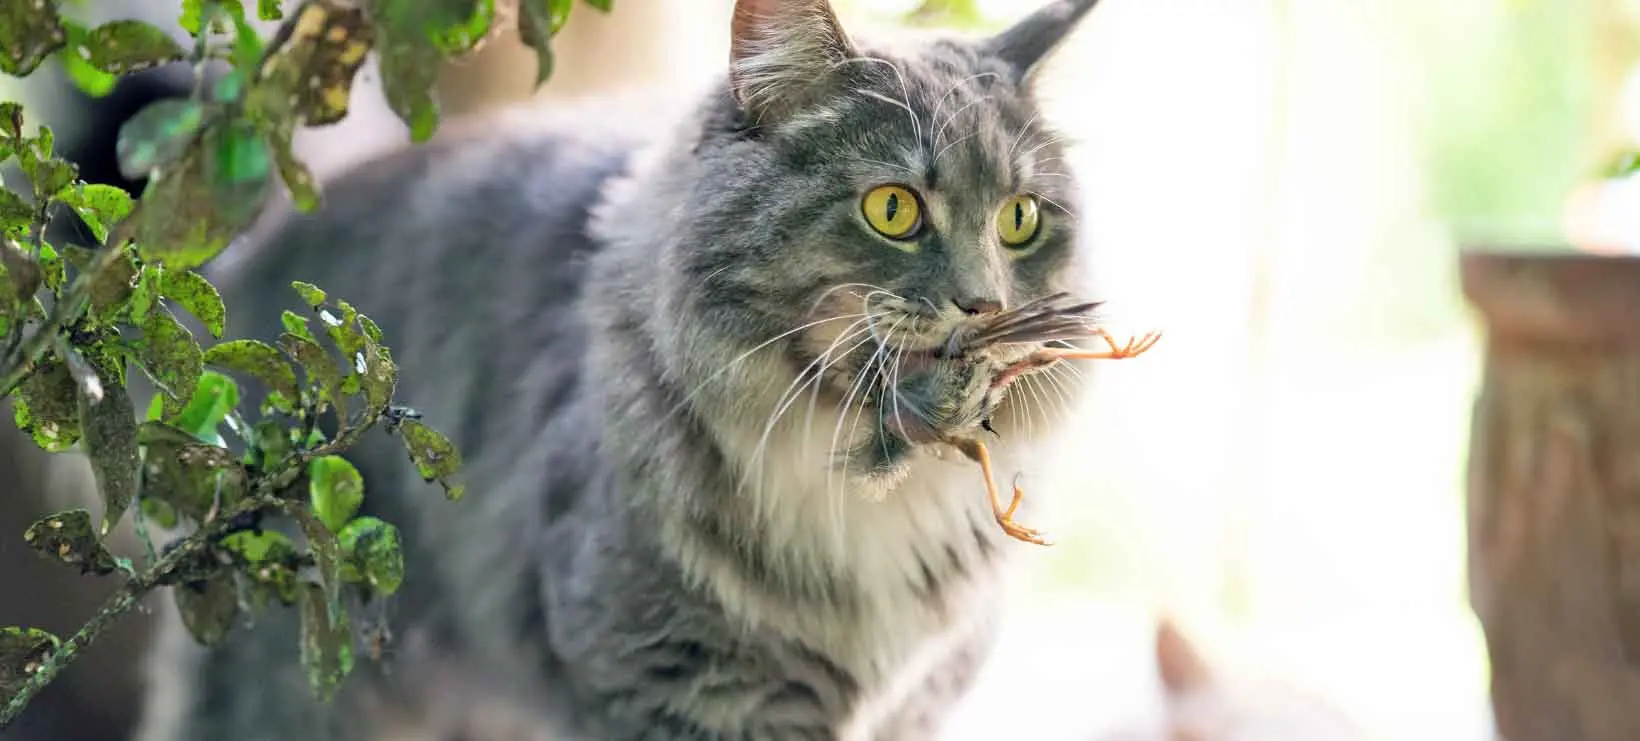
(781, 52)
(1026, 44)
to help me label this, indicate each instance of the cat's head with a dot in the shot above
(875, 196)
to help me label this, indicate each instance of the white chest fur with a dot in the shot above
(887, 532)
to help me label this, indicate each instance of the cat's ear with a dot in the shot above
(1026, 44)
(1180, 664)
(782, 54)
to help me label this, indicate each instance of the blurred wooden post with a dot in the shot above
(1554, 492)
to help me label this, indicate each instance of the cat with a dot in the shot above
(665, 355)
(1204, 703)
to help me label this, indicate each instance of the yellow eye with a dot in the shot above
(893, 211)
(1018, 220)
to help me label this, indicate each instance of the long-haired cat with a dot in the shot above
(668, 358)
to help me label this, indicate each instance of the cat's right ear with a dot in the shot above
(782, 54)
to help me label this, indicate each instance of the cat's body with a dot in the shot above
(606, 325)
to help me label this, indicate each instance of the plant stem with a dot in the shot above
(17, 365)
(127, 597)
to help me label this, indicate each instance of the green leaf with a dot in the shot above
(312, 294)
(538, 22)
(190, 213)
(327, 558)
(126, 46)
(602, 5)
(29, 32)
(318, 365)
(47, 406)
(48, 175)
(296, 324)
(258, 360)
(270, 559)
(90, 80)
(374, 553)
(22, 650)
(268, 10)
(304, 190)
(145, 293)
(159, 135)
(192, 19)
(68, 537)
(335, 490)
(214, 398)
(16, 214)
(260, 547)
(171, 357)
(99, 206)
(158, 512)
(51, 267)
(109, 437)
(327, 643)
(113, 287)
(410, 61)
(308, 74)
(209, 607)
(196, 294)
(435, 457)
(192, 477)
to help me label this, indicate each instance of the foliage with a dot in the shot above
(261, 498)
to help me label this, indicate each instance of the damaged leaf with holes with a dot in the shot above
(308, 72)
(109, 437)
(125, 46)
(112, 288)
(269, 560)
(208, 607)
(261, 362)
(435, 457)
(191, 212)
(21, 651)
(327, 642)
(69, 537)
(413, 37)
(170, 356)
(99, 206)
(47, 406)
(191, 477)
(371, 370)
(193, 292)
(29, 32)
(319, 368)
(373, 553)
(327, 559)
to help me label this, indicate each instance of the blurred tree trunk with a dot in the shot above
(1554, 493)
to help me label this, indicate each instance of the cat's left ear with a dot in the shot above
(1026, 44)
(783, 54)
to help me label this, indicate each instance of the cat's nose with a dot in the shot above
(975, 306)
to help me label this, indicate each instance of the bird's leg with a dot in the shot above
(977, 452)
(1047, 356)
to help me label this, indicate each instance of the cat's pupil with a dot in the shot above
(1019, 216)
(893, 206)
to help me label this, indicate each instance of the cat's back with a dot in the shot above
(470, 252)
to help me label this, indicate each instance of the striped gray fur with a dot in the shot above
(643, 553)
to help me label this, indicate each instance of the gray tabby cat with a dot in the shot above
(667, 357)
